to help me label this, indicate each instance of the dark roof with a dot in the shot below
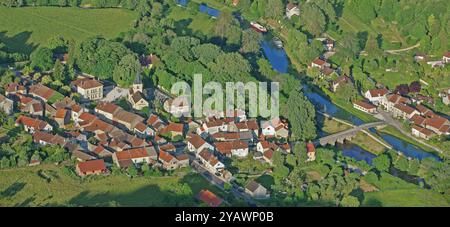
(253, 186)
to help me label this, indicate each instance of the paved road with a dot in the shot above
(385, 116)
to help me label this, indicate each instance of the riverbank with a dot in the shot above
(390, 130)
(362, 140)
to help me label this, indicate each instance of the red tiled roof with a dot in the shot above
(141, 127)
(173, 127)
(310, 147)
(76, 108)
(132, 153)
(252, 125)
(290, 6)
(168, 147)
(405, 108)
(196, 140)
(378, 92)
(41, 91)
(417, 119)
(319, 61)
(436, 122)
(165, 156)
(31, 122)
(107, 107)
(425, 131)
(61, 113)
(209, 198)
(37, 107)
(24, 100)
(87, 83)
(91, 166)
(87, 116)
(365, 105)
(269, 154)
(422, 109)
(226, 147)
(209, 157)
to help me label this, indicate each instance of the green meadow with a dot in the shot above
(23, 29)
(50, 185)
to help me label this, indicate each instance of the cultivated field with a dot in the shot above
(23, 29)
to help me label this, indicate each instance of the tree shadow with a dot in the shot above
(181, 27)
(27, 202)
(146, 196)
(266, 180)
(373, 203)
(18, 42)
(12, 190)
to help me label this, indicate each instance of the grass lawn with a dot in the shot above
(332, 126)
(405, 197)
(361, 139)
(191, 21)
(56, 97)
(369, 144)
(27, 187)
(23, 29)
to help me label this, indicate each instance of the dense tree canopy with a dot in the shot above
(99, 57)
(301, 114)
(42, 59)
(127, 70)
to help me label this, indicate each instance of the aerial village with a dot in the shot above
(98, 133)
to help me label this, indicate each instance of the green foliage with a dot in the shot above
(227, 27)
(127, 70)
(132, 171)
(250, 41)
(382, 162)
(101, 57)
(301, 114)
(59, 71)
(349, 201)
(42, 59)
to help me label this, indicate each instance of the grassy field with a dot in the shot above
(23, 29)
(405, 197)
(361, 139)
(191, 21)
(27, 187)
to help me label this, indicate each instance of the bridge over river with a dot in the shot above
(349, 134)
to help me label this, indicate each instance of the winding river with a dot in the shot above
(280, 62)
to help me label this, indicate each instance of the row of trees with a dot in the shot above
(128, 4)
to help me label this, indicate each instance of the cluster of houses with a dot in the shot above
(425, 123)
(109, 132)
(220, 138)
(419, 57)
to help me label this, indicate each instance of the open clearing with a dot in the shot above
(23, 29)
